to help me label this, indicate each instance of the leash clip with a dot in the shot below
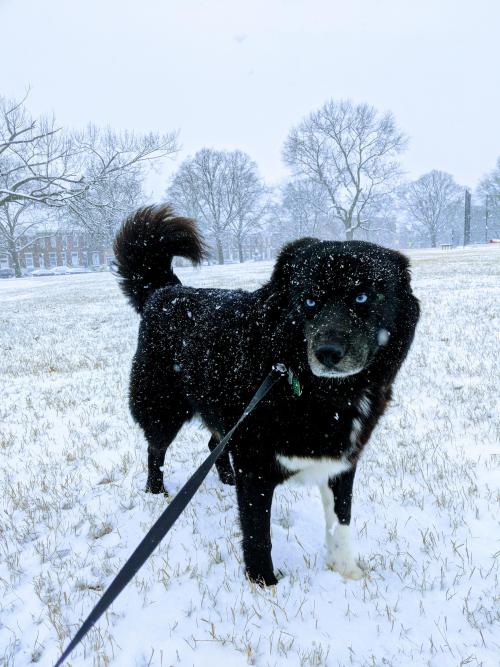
(281, 369)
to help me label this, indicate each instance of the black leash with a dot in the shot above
(166, 520)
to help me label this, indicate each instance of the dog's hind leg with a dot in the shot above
(337, 499)
(160, 424)
(159, 437)
(223, 464)
(160, 410)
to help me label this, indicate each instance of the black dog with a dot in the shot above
(341, 315)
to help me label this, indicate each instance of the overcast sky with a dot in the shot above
(232, 74)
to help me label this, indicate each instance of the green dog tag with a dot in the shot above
(296, 388)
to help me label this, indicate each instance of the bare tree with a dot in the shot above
(490, 185)
(100, 210)
(304, 208)
(222, 190)
(40, 165)
(36, 168)
(432, 201)
(489, 192)
(249, 196)
(351, 151)
(15, 223)
(113, 172)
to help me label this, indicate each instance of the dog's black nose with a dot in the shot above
(330, 354)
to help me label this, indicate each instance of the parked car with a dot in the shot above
(43, 272)
(61, 270)
(7, 273)
(78, 269)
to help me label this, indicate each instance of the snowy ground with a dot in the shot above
(72, 505)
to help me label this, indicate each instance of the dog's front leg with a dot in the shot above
(337, 500)
(255, 496)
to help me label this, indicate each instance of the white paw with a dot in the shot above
(339, 553)
(347, 569)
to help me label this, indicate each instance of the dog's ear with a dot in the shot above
(289, 265)
(291, 262)
(403, 266)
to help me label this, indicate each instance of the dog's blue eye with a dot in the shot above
(310, 303)
(361, 298)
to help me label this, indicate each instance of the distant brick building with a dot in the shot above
(59, 249)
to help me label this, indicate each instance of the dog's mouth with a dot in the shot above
(335, 359)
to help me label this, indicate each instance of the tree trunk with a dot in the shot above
(433, 238)
(14, 255)
(240, 252)
(349, 232)
(220, 252)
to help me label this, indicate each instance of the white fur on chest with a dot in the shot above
(310, 470)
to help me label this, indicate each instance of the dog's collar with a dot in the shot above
(294, 383)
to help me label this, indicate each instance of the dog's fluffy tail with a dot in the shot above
(145, 246)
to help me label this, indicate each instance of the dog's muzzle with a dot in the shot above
(337, 344)
(336, 358)
(330, 354)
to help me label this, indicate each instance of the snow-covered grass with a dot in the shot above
(73, 507)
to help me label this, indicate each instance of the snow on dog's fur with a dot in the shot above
(340, 315)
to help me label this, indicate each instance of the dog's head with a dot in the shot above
(347, 299)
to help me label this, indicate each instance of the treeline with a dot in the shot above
(85, 179)
(346, 182)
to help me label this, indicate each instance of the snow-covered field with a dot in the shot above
(72, 506)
